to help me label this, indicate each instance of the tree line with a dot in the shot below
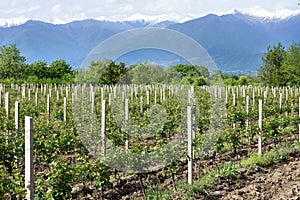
(14, 69)
(280, 67)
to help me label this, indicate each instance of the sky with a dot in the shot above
(60, 12)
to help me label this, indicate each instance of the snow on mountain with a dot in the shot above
(263, 14)
(266, 14)
(8, 22)
(236, 41)
(154, 19)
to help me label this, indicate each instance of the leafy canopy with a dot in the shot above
(12, 64)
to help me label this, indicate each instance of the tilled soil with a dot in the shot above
(280, 181)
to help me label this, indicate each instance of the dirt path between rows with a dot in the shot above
(281, 181)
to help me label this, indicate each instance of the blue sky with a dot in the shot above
(57, 11)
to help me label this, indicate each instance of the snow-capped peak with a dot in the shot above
(7, 22)
(154, 19)
(266, 14)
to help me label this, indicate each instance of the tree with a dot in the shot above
(271, 71)
(12, 64)
(194, 74)
(243, 80)
(191, 70)
(112, 72)
(38, 69)
(145, 73)
(59, 69)
(103, 72)
(291, 65)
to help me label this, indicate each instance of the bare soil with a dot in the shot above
(280, 181)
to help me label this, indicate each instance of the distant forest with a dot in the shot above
(281, 67)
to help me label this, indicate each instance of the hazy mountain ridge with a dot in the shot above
(235, 41)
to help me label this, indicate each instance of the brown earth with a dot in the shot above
(280, 181)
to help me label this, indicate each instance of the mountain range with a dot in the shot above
(235, 41)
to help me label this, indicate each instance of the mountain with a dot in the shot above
(238, 41)
(44, 41)
(235, 41)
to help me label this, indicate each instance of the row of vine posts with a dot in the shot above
(215, 91)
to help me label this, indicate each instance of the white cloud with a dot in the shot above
(67, 18)
(19, 11)
(155, 10)
(56, 8)
(76, 8)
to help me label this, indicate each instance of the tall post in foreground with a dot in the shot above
(17, 118)
(7, 106)
(126, 122)
(36, 98)
(17, 124)
(48, 108)
(29, 176)
(65, 110)
(190, 147)
(103, 123)
(260, 126)
(299, 116)
(247, 112)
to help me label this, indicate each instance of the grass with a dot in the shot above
(270, 158)
(228, 171)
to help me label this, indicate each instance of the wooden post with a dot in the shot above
(67, 92)
(103, 126)
(286, 101)
(161, 95)
(17, 118)
(260, 127)
(45, 89)
(92, 101)
(148, 99)
(126, 121)
(48, 108)
(7, 106)
(299, 116)
(102, 93)
(190, 143)
(115, 91)
(234, 105)
(36, 98)
(29, 170)
(226, 98)
(234, 100)
(57, 95)
(29, 94)
(253, 97)
(73, 98)
(280, 101)
(155, 96)
(265, 96)
(65, 110)
(247, 112)
(23, 92)
(141, 106)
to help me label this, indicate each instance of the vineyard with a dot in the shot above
(93, 142)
